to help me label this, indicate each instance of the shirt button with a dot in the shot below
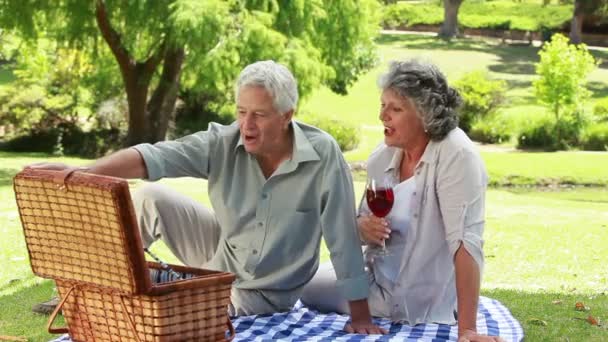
(255, 251)
(264, 196)
(416, 215)
(260, 224)
(414, 193)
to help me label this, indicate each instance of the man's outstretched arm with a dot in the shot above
(127, 163)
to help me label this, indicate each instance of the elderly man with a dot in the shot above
(276, 186)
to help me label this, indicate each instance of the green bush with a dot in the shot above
(600, 110)
(499, 15)
(543, 134)
(494, 129)
(50, 88)
(481, 97)
(538, 135)
(67, 140)
(92, 144)
(486, 22)
(408, 15)
(346, 134)
(595, 137)
(191, 121)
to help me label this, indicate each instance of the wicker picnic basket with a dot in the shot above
(81, 231)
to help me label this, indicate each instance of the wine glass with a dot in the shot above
(380, 198)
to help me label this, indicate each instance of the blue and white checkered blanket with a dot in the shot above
(303, 324)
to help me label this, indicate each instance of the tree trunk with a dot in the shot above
(137, 82)
(576, 25)
(148, 121)
(162, 103)
(449, 28)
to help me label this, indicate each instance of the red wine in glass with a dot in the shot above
(380, 198)
(380, 201)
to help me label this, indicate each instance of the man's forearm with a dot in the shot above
(467, 290)
(127, 163)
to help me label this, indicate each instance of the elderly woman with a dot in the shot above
(433, 234)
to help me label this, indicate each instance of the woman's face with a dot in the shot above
(402, 124)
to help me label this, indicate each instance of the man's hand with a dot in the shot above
(473, 336)
(373, 230)
(48, 166)
(361, 319)
(364, 328)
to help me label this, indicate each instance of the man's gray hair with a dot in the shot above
(276, 79)
(428, 89)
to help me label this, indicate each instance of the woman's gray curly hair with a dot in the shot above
(428, 89)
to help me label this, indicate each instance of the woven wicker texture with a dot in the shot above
(187, 315)
(75, 231)
(80, 230)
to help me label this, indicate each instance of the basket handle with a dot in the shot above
(129, 318)
(62, 176)
(231, 328)
(49, 324)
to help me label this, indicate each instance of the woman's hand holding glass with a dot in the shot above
(373, 230)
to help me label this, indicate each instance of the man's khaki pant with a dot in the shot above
(192, 233)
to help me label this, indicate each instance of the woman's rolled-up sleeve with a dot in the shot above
(461, 187)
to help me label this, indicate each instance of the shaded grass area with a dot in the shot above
(16, 318)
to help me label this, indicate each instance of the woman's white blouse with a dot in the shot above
(399, 218)
(446, 208)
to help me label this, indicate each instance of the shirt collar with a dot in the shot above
(395, 160)
(302, 148)
(427, 156)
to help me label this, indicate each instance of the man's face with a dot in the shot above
(262, 127)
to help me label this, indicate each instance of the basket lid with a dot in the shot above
(81, 227)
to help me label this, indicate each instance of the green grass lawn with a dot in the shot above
(540, 246)
(545, 168)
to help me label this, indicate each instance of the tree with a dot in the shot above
(582, 10)
(449, 27)
(48, 90)
(563, 71)
(161, 47)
